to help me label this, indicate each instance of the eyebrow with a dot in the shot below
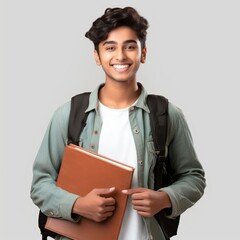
(113, 42)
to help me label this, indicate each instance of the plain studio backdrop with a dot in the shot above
(193, 59)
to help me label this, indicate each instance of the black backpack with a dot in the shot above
(158, 106)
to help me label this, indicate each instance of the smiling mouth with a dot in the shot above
(121, 67)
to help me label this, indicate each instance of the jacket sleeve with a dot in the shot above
(188, 172)
(52, 200)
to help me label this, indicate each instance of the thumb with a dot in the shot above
(104, 191)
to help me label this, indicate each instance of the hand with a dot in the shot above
(148, 202)
(96, 205)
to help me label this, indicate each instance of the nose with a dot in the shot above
(120, 55)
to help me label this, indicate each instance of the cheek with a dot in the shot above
(106, 57)
(137, 57)
(137, 60)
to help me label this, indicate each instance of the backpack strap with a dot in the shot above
(77, 117)
(158, 106)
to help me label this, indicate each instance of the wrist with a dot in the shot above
(76, 207)
(166, 200)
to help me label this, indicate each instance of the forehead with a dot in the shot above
(121, 34)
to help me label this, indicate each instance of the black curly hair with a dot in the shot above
(114, 18)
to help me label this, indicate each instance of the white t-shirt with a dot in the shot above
(116, 141)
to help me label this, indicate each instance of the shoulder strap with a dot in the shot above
(77, 117)
(158, 106)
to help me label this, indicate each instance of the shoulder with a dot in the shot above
(63, 110)
(61, 114)
(176, 116)
(174, 111)
(177, 123)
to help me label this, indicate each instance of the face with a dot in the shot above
(120, 55)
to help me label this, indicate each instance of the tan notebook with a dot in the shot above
(80, 172)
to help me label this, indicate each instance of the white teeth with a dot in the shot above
(120, 66)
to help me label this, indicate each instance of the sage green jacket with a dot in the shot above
(184, 193)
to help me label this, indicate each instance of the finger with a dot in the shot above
(108, 212)
(101, 218)
(107, 215)
(133, 190)
(141, 208)
(138, 196)
(110, 201)
(139, 202)
(144, 214)
(109, 208)
(143, 211)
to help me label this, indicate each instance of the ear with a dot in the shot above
(143, 56)
(97, 58)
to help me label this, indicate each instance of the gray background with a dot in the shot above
(193, 59)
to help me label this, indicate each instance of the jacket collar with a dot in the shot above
(94, 102)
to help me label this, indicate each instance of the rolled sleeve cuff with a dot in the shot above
(66, 206)
(175, 208)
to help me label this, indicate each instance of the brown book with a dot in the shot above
(80, 172)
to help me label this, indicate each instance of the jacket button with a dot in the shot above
(51, 213)
(141, 162)
(136, 130)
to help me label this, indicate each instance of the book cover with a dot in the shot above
(81, 171)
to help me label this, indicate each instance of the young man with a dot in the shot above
(118, 126)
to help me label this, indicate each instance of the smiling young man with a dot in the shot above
(118, 126)
(120, 56)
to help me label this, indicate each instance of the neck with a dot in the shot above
(119, 94)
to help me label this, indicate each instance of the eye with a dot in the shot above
(131, 47)
(110, 48)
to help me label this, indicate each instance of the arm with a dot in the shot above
(188, 174)
(189, 177)
(52, 200)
